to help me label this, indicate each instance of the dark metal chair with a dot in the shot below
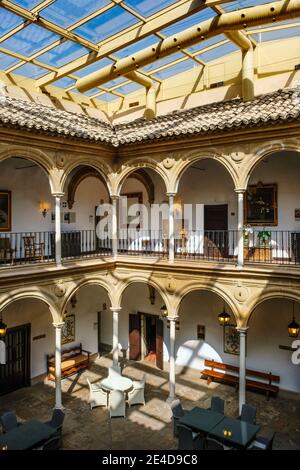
(177, 412)
(212, 444)
(51, 444)
(9, 421)
(262, 443)
(56, 422)
(217, 405)
(189, 440)
(248, 414)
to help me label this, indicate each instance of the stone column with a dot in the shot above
(242, 380)
(58, 398)
(114, 226)
(171, 227)
(240, 194)
(58, 197)
(115, 350)
(172, 374)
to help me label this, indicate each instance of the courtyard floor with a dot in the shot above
(146, 427)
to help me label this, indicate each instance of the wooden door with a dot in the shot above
(16, 372)
(159, 343)
(134, 337)
(216, 231)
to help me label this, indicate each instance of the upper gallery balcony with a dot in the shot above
(207, 220)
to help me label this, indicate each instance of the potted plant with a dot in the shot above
(247, 231)
(264, 238)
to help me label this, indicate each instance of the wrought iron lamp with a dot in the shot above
(164, 311)
(3, 328)
(224, 317)
(293, 327)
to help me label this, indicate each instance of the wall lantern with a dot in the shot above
(293, 327)
(164, 311)
(3, 328)
(224, 317)
(44, 207)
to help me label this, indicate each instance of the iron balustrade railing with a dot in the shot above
(207, 245)
(272, 246)
(142, 242)
(260, 246)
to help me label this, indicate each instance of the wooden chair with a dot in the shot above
(6, 251)
(33, 250)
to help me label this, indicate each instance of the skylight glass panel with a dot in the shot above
(279, 34)
(176, 69)
(92, 92)
(93, 67)
(163, 61)
(29, 4)
(105, 25)
(240, 4)
(188, 22)
(7, 61)
(31, 71)
(130, 88)
(64, 82)
(218, 52)
(107, 97)
(206, 43)
(148, 7)
(30, 40)
(116, 81)
(62, 54)
(137, 46)
(8, 21)
(67, 12)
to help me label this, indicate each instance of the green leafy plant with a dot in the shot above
(264, 236)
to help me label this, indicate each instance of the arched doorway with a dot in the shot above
(206, 209)
(269, 347)
(30, 336)
(200, 335)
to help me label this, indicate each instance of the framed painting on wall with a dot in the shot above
(68, 330)
(261, 204)
(231, 340)
(5, 211)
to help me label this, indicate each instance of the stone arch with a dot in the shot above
(31, 294)
(193, 157)
(215, 290)
(41, 159)
(102, 169)
(133, 166)
(87, 282)
(263, 153)
(141, 280)
(273, 294)
(78, 177)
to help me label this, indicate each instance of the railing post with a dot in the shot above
(171, 227)
(114, 226)
(58, 197)
(240, 193)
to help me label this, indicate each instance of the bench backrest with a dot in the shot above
(67, 353)
(249, 372)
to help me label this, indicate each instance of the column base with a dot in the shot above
(171, 398)
(61, 407)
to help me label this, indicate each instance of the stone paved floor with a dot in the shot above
(145, 427)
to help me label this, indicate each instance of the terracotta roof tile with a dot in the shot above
(279, 106)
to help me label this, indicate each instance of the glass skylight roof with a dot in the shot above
(95, 21)
(112, 21)
(67, 12)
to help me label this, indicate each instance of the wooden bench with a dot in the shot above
(72, 361)
(229, 373)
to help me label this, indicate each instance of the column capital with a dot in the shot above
(240, 190)
(58, 194)
(114, 197)
(173, 318)
(58, 325)
(242, 329)
(171, 194)
(115, 309)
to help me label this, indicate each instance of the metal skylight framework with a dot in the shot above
(59, 41)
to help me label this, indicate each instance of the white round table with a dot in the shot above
(117, 382)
